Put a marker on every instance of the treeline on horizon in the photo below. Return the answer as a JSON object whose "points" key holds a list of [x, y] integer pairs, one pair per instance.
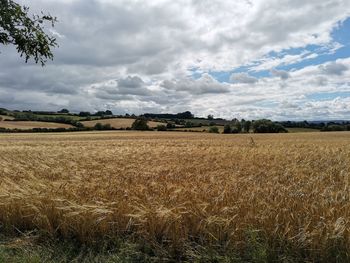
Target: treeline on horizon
{"points": [[184, 120]]}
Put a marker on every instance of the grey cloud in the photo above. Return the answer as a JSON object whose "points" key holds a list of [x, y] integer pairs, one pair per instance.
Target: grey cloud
{"points": [[243, 78], [130, 82], [280, 73], [204, 85], [122, 89], [288, 105], [333, 68]]}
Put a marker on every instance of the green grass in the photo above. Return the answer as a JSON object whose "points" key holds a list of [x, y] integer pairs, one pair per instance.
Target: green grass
{"points": [[258, 248]]}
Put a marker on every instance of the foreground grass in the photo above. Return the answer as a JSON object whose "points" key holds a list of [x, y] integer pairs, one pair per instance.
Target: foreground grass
{"points": [[35, 249], [176, 196]]}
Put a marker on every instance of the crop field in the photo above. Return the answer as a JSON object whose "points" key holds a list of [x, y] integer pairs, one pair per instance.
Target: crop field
{"points": [[118, 123], [273, 197], [5, 117], [26, 125]]}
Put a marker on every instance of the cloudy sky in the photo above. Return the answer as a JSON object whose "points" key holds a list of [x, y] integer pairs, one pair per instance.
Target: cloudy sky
{"points": [[277, 59]]}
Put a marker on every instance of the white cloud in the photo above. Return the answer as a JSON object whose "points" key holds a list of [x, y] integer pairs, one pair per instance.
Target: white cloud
{"points": [[243, 78]]}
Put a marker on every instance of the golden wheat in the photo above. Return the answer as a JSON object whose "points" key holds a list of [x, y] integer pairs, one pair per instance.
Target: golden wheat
{"points": [[179, 187], [119, 123]]}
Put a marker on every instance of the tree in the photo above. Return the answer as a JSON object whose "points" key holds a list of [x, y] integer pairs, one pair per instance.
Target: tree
{"points": [[210, 117], [108, 112], [246, 126], [238, 126], [140, 125], [26, 32], [185, 115], [267, 126], [84, 113], [63, 111]]}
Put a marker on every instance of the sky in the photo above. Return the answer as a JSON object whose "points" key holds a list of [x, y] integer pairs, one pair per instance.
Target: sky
{"points": [[251, 59]]}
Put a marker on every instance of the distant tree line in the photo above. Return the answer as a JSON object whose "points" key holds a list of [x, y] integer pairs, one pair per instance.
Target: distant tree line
{"points": [[336, 127], [29, 116], [182, 115], [322, 126], [256, 126], [98, 113]]}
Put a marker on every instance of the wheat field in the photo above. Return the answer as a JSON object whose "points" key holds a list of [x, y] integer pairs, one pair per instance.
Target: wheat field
{"points": [[174, 189], [119, 123]]}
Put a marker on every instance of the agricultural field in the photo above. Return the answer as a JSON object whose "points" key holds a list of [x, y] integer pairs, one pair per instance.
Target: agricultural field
{"points": [[118, 123], [5, 117], [152, 196], [26, 125]]}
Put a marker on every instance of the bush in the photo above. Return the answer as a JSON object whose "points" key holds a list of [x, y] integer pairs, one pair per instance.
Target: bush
{"points": [[170, 125], [140, 125], [188, 124], [235, 129], [100, 127], [161, 128], [227, 128], [213, 129]]}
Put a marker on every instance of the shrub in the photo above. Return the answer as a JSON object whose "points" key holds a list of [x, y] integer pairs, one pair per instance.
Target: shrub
{"points": [[140, 125], [100, 127], [235, 129], [170, 125], [227, 128], [213, 129], [161, 128], [188, 124]]}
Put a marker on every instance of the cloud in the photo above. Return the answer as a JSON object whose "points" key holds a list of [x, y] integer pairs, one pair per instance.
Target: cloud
{"points": [[121, 89], [130, 82], [243, 78], [280, 73], [333, 68], [137, 56], [206, 84]]}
